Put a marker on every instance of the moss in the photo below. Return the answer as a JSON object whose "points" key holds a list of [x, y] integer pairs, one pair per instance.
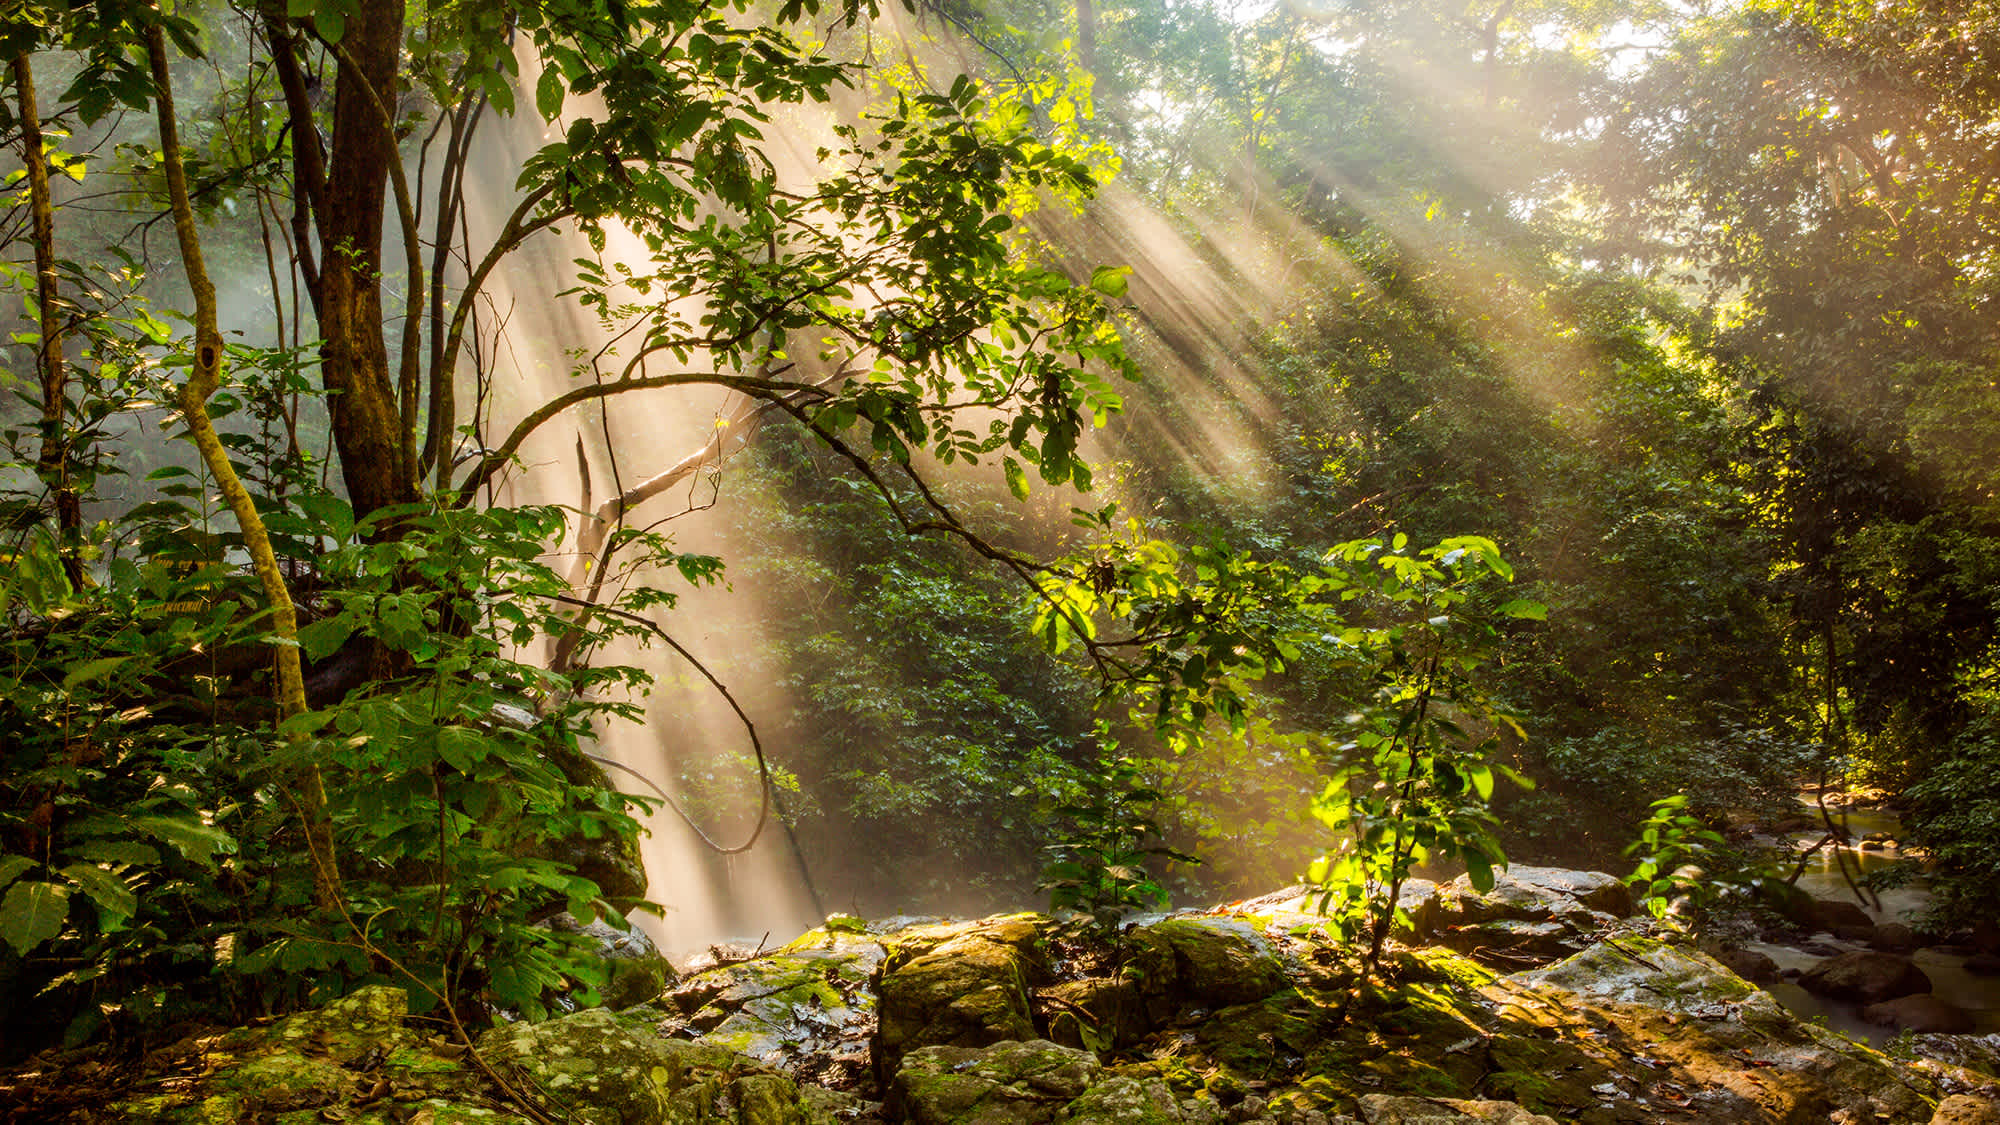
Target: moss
{"points": [[1436, 963], [413, 1061]]}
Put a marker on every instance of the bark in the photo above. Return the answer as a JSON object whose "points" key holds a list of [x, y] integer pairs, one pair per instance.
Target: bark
{"points": [[368, 422], [306, 786], [52, 461]]}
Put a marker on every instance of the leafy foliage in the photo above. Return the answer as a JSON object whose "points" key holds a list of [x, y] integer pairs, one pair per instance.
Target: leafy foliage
{"points": [[1672, 848], [1417, 780], [1099, 867]]}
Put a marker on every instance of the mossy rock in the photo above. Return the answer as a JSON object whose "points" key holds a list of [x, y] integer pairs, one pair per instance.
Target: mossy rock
{"points": [[1385, 1109], [1216, 962], [1097, 1014], [810, 999], [363, 1022], [605, 1070], [634, 971], [969, 991], [1122, 1099], [1014, 1083], [1636, 970]]}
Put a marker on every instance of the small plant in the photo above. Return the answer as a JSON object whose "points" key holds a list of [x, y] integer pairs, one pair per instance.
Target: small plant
{"points": [[1672, 844], [1416, 781], [1100, 870]]}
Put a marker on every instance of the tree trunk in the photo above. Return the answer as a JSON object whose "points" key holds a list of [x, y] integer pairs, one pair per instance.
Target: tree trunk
{"points": [[304, 786], [52, 461], [368, 427]]}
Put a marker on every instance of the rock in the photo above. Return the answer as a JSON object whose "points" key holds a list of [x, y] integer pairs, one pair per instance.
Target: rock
{"points": [[1124, 1100], [1966, 1109], [1384, 1109], [805, 1009], [1217, 962], [604, 1069], [1919, 1013], [1419, 900], [1894, 937], [610, 860], [1654, 974], [1536, 894], [1860, 935], [1831, 914], [1866, 977], [1014, 1083], [633, 968], [1112, 1014], [1795, 905], [306, 1067], [1749, 964], [1983, 964], [1508, 943], [1714, 1049], [365, 1020], [1973, 1052], [600, 1070], [969, 991]]}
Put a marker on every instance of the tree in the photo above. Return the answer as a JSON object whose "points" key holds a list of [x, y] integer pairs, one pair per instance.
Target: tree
{"points": [[886, 307], [1832, 180]]}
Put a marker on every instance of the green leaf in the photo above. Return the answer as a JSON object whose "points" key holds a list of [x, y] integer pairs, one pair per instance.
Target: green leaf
{"points": [[12, 867], [1525, 609], [550, 89], [113, 851], [1112, 281], [92, 670], [193, 839], [322, 638], [1017, 478], [1479, 869], [108, 891], [32, 913], [330, 22]]}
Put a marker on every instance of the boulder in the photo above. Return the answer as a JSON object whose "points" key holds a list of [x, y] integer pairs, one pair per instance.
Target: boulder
{"points": [[1385, 1109], [1121, 1099], [1983, 964], [1967, 1109], [1835, 914], [1096, 1014], [1215, 962], [1749, 964], [1795, 905], [1979, 1053], [1919, 1013], [1536, 894], [1509, 943], [969, 991], [1866, 977], [606, 1070], [805, 1009], [1894, 937], [1653, 974], [634, 971], [1014, 1083]]}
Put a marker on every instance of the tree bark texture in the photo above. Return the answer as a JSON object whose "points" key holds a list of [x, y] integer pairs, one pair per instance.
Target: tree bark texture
{"points": [[52, 460], [368, 422]]}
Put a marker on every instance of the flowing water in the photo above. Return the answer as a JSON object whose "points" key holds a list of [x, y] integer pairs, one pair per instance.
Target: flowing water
{"points": [[1823, 878]]}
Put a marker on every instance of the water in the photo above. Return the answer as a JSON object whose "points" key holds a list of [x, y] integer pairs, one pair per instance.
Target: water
{"points": [[1822, 878]]}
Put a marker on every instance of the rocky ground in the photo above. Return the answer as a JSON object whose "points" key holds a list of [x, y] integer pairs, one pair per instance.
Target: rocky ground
{"points": [[1539, 1002]]}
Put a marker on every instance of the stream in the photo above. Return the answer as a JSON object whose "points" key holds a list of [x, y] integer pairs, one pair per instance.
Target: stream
{"points": [[1945, 966]]}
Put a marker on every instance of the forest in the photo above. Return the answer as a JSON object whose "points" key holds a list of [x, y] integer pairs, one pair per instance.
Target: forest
{"points": [[715, 461]]}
